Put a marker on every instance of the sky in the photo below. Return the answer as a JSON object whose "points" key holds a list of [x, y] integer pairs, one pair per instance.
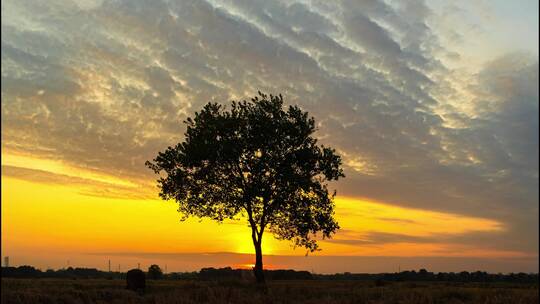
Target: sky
{"points": [[433, 106]]}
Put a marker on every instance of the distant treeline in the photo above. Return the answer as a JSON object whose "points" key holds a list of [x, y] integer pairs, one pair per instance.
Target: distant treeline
{"points": [[227, 273], [70, 272], [426, 276], [240, 274]]}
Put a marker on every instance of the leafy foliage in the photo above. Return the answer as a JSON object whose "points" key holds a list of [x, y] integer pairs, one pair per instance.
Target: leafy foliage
{"points": [[154, 272], [256, 160]]}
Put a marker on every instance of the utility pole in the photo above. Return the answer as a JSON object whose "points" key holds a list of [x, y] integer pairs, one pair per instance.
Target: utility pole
{"points": [[6, 261], [109, 265]]}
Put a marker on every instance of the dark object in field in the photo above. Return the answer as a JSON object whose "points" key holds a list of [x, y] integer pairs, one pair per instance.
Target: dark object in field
{"points": [[136, 280]]}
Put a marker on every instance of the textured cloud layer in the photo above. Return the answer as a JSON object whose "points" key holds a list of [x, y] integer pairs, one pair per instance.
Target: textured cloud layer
{"points": [[104, 86]]}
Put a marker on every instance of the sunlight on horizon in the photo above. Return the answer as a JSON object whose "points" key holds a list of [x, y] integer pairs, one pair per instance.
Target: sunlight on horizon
{"points": [[60, 218]]}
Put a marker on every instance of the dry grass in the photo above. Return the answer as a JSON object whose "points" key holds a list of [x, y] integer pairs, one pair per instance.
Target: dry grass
{"points": [[112, 291]]}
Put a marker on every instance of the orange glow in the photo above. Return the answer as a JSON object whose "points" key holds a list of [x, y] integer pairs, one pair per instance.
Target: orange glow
{"points": [[250, 266], [246, 266], [59, 219]]}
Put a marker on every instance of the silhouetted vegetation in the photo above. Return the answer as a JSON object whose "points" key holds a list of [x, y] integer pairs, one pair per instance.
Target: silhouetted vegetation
{"points": [[74, 273], [253, 160], [228, 273], [154, 272], [136, 280], [426, 276]]}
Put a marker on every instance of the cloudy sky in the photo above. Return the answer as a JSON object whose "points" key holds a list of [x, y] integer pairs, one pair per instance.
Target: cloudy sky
{"points": [[433, 106]]}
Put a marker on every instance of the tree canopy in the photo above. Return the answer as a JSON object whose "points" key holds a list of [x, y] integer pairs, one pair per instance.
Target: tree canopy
{"points": [[258, 161], [154, 272]]}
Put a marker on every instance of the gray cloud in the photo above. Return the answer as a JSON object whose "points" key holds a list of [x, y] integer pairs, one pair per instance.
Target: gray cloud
{"points": [[500, 240], [106, 87]]}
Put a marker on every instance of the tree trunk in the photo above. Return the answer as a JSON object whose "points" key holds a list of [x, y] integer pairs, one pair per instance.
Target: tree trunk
{"points": [[258, 269]]}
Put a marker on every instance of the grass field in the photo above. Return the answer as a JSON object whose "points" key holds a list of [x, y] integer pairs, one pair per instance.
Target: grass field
{"points": [[112, 291]]}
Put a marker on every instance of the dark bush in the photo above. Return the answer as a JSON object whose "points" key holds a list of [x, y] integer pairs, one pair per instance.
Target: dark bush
{"points": [[136, 280]]}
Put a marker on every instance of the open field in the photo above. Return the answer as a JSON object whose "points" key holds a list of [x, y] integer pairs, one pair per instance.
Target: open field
{"points": [[184, 291]]}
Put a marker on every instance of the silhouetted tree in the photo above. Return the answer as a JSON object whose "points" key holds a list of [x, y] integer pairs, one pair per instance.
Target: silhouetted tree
{"points": [[154, 272], [256, 160], [228, 273]]}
